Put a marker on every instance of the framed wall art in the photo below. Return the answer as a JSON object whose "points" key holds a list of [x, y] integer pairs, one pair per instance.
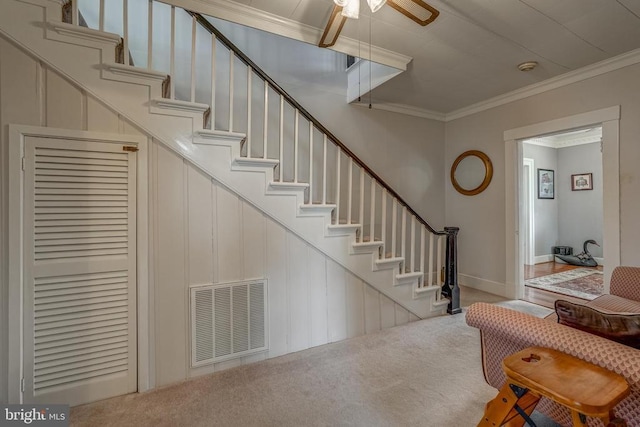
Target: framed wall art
{"points": [[546, 184], [582, 181]]}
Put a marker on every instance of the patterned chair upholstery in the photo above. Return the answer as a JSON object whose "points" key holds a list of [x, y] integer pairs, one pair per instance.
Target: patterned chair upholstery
{"points": [[504, 332], [624, 296]]}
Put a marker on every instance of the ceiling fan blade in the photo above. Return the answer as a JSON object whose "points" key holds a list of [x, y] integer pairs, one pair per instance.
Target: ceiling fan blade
{"points": [[333, 28], [417, 10]]}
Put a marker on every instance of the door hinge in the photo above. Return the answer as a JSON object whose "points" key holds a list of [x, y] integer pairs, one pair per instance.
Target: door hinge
{"points": [[130, 148], [23, 163], [22, 385]]}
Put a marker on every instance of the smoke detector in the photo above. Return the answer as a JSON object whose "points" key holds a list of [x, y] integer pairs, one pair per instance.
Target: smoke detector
{"points": [[527, 66]]}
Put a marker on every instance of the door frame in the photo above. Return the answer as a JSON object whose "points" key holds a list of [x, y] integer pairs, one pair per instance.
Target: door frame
{"points": [[609, 119], [528, 190], [17, 134]]}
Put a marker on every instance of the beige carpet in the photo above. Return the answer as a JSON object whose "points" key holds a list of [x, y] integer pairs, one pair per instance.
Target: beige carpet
{"points": [[426, 373]]}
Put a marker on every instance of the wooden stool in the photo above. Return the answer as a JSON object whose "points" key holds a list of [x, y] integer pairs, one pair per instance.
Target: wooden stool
{"points": [[584, 388]]}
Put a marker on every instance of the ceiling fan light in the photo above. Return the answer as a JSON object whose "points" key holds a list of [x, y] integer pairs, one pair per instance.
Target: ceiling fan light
{"points": [[341, 3], [375, 5], [351, 9]]}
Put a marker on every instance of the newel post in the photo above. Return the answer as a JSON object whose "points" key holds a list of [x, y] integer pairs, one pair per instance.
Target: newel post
{"points": [[450, 288]]}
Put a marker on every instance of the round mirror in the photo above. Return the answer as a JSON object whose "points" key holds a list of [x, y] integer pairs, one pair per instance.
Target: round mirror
{"points": [[471, 173]]}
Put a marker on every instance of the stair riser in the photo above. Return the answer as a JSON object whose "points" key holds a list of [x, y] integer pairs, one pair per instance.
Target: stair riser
{"points": [[81, 61], [321, 211]]}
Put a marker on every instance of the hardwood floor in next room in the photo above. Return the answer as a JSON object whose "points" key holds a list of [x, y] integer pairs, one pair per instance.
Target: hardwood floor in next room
{"points": [[542, 297]]}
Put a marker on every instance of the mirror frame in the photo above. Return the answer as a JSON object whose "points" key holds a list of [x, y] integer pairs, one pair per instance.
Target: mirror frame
{"points": [[488, 173]]}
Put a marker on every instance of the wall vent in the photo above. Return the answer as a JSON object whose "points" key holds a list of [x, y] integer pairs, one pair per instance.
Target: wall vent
{"points": [[228, 321]]}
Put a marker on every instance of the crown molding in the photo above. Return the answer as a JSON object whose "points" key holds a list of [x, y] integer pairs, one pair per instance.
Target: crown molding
{"points": [[403, 109], [584, 73], [380, 55], [252, 17], [256, 18]]}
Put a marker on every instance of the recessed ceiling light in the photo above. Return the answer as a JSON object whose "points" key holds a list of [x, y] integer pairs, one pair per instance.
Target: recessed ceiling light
{"points": [[527, 66]]}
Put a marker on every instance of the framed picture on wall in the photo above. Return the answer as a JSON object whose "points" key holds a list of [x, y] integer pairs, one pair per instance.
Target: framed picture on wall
{"points": [[545, 184], [582, 181]]}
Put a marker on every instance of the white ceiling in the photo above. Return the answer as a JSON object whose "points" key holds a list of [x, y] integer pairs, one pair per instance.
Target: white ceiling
{"points": [[471, 51], [568, 139]]}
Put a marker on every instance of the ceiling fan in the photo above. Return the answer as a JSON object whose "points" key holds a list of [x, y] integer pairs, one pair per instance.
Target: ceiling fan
{"points": [[417, 10]]}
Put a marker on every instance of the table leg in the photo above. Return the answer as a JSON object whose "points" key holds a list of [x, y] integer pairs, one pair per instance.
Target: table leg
{"points": [[501, 410], [527, 403], [498, 409], [578, 419]]}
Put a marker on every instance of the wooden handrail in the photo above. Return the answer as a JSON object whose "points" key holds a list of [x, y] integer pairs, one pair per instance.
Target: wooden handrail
{"points": [[224, 40]]}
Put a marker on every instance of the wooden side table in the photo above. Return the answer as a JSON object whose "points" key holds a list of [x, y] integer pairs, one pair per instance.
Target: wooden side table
{"points": [[535, 372]]}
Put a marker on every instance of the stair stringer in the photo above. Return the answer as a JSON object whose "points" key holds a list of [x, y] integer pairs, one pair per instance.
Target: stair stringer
{"points": [[86, 56], [314, 229], [285, 209]]}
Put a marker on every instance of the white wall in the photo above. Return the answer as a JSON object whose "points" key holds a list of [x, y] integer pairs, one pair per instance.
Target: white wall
{"points": [[572, 216], [482, 218], [580, 213], [203, 233], [407, 152], [31, 94], [200, 233]]}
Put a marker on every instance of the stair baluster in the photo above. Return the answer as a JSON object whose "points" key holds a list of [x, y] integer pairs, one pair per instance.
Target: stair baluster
{"points": [[403, 239], [172, 59], [296, 142], [350, 191], [422, 255], [394, 226], [281, 140], [338, 174], [249, 98], [361, 205], [101, 18], [372, 212], [426, 269], [412, 248], [311, 128], [232, 58], [125, 31], [383, 222], [149, 30], [212, 103], [324, 169]]}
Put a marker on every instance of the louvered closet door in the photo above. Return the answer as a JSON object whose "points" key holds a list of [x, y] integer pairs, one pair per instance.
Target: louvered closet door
{"points": [[80, 269]]}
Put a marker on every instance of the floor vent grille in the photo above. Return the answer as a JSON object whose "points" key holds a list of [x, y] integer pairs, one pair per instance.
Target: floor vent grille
{"points": [[228, 321]]}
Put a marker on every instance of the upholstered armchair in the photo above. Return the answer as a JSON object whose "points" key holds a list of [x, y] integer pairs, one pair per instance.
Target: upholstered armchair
{"points": [[504, 332]]}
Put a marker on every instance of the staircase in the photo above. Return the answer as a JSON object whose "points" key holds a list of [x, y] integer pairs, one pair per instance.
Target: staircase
{"points": [[184, 84]]}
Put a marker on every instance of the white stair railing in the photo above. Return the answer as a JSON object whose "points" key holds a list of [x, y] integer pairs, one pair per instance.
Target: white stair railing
{"points": [[221, 76]]}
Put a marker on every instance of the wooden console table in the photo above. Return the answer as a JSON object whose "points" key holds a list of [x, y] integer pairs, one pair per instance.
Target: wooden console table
{"points": [[535, 372]]}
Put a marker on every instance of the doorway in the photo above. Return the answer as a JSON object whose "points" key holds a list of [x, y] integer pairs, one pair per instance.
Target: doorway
{"points": [[569, 216], [608, 119]]}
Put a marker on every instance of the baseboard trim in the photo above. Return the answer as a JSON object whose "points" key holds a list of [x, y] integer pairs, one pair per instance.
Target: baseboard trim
{"points": [[540, 260], [543, 258], [483, 285]]}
